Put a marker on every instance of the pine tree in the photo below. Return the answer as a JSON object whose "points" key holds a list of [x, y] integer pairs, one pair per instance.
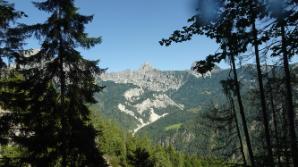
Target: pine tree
{"points": [[218, 24], [274, 113], [229, 90], [284, 15], [241, 108], [250, 12]]}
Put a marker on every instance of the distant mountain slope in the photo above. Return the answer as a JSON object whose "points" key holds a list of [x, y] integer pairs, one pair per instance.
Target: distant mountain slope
{"points": [[139, 98], [167, 105]]}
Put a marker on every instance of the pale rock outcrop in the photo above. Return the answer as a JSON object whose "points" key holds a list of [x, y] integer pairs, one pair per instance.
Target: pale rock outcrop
{"points": [[122, 108], [158, 101], [152, 118], [133, 94], [146, 78]]}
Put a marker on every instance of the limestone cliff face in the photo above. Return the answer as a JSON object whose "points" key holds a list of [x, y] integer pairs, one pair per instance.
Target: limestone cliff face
{"points": [[144, 108], [146, 77], [147, 94], [141, 105]]}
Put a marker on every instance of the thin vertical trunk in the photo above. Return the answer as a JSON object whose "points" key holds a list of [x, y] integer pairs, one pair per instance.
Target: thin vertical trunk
{"points": [[63, 119], [270, 160], [274, 117], [241, 108], [238, 129], [64, 122], [285, 136], [290, 106]]}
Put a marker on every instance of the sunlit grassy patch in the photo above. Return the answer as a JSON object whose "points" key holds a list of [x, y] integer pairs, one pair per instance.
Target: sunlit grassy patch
{"points": [[173, 127]]}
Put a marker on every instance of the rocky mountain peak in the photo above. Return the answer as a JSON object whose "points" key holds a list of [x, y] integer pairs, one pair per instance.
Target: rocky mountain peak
{"points": [[147, 77], [146, 67]]}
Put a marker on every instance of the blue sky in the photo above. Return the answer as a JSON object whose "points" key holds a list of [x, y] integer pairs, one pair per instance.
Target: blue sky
{"points": [[131, 29]]}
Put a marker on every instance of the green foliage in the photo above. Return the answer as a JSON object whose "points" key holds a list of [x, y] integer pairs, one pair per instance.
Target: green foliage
{"points": [[173, 127], [10, 155], [191, 95], [108, 101], [48, 92], [123, 149], [10, 151]]}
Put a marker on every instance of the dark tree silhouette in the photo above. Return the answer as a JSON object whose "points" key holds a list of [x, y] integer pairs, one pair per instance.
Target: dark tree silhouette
{"points": [[10, 44], [285, 16], [220, 26], [250, 11], [141, 158], [241, 108], [50, 103], [229, 90], [10, 37], [271, 80]]}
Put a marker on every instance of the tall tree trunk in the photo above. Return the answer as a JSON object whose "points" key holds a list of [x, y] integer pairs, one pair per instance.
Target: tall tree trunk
{"points": [[62, 110], [238, 129], [64, 120], [290, 106], [241, 109], [274, 118], [270, 160], [285, 135]]}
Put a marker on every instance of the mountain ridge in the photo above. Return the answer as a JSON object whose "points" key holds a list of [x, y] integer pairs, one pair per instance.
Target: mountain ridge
{"points": [[150, 94], [139, 98]]}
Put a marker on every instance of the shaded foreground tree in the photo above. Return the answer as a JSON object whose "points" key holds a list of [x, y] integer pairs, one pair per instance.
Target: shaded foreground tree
{"points": [[229, 90], [10, 38], [241, 109], [234, 26], [285, 16], [218, 23], [10, 44], [220, 120], [48, 105], [256, 10]]}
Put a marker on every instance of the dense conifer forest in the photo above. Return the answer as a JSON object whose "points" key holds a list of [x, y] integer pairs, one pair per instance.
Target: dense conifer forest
{"points": [[53, 99]]}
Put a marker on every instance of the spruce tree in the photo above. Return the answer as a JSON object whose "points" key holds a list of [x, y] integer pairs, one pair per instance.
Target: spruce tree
{"points": [[50, 105], [10, 37], [10, 45]]}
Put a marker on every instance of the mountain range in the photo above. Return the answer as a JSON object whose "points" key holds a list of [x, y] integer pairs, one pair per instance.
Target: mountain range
{"points": [[136, 99], [167, 106]]}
